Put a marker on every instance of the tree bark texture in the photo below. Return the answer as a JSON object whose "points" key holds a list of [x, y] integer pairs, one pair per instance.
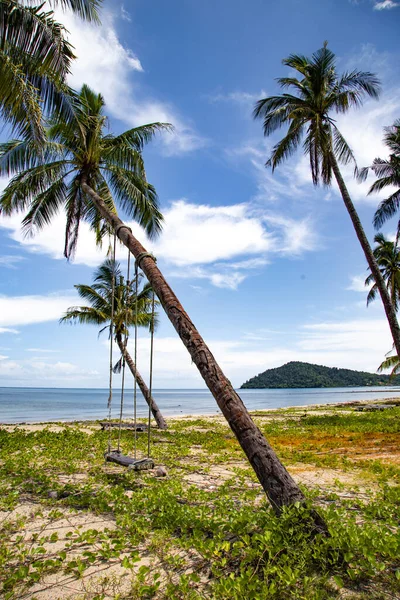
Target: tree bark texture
{"points": [[277, 483], [161, 423], [369, 255]]}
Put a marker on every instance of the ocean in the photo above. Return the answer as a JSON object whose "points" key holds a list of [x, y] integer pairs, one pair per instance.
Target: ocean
{"points": [[70, 404]]}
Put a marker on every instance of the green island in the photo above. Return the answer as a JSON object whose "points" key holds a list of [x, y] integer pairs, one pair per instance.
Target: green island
{"points": [[298, 374], [73, 526]]}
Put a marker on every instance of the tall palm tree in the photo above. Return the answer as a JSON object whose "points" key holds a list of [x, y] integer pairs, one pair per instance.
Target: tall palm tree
{"points": [[98, 166], [126, 312], [35, 58], [319, 92], [388, 173], [387, 255]]}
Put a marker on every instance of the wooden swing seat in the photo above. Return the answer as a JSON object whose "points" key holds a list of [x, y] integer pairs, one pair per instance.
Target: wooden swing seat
{"points": [[109, 425], [134, 464]]}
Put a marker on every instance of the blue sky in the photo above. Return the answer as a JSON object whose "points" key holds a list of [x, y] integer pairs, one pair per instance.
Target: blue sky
{"points": [[267, 266]]}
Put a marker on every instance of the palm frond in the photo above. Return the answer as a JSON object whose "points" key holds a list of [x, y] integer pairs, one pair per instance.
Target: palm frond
{"points": [[86, 9], [387, 209], [137, 137], [342, 150], [84, 315], [23, 188], [287, 146], [137, 198]]}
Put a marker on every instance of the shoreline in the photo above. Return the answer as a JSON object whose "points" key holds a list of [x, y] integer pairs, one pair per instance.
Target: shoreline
{"points": [[395, 400]]}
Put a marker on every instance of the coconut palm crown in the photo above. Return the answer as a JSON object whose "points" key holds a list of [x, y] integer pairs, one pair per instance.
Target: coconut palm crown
{"points": [[307, 111], [79, 151], [387, 256], [127, 310], [35, 58], [388, 173]]}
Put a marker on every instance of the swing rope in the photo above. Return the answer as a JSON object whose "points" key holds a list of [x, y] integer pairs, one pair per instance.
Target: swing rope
{"points": [[151, 371], [125, 342], [135, 359], [110, 390]]}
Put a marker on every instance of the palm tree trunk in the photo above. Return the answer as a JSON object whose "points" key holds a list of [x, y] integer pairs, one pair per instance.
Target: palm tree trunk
{"points": [[161, 423], [369, 255], [277, 483]]}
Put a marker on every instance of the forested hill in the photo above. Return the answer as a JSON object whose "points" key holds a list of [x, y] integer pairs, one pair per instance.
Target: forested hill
{"points": [[306, 375]]}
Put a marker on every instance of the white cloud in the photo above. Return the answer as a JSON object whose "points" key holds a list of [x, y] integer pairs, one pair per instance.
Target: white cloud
{"points": [[385, 5], [202, 234], [24, 310], [8, 330], [221, 276], [194, 236], [358, 284], [50, 240], [359, 344], [9, 261], [298, 235], [39, 372], [108, 67]]}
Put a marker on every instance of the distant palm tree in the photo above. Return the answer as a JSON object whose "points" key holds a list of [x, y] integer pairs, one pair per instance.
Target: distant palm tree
{"points": [[388, 173], [35, 58], [100, 310], [390, 362], [387, 255], [317, 93], [82, 170]]}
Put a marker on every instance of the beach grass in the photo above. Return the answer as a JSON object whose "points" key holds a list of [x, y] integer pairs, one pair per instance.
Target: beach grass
{"points": [[74, 527]]}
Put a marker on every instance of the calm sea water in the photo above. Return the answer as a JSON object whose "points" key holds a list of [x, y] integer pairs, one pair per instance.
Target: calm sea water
{"points": [[68, 404]]}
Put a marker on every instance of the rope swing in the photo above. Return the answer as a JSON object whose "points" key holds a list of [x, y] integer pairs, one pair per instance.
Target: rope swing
{"points": [[116, 455]]}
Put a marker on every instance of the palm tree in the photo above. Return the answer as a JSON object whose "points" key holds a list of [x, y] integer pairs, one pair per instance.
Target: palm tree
{"points": [[388, 172], [77, 169], [79, 151], [318, 92], [387, 255], [35, 58], [123, 315]]}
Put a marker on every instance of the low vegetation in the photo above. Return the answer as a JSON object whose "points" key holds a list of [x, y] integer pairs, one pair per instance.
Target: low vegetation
{"points": [[297, 374], [74, 527]]}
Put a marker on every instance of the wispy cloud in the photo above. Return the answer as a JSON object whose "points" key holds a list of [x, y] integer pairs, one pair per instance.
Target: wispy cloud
{"points": [[386, 5], [237, 97], [42, 351], [358, 284], [125, 15], [10, 261], [25, 310], [8, 330]]}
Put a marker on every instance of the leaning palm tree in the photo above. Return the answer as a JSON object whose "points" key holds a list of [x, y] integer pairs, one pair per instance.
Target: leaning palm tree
{"points": [[80, 169], [126, 311], [319, 92], [35, 58], [387, 255], [388, 173]]}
